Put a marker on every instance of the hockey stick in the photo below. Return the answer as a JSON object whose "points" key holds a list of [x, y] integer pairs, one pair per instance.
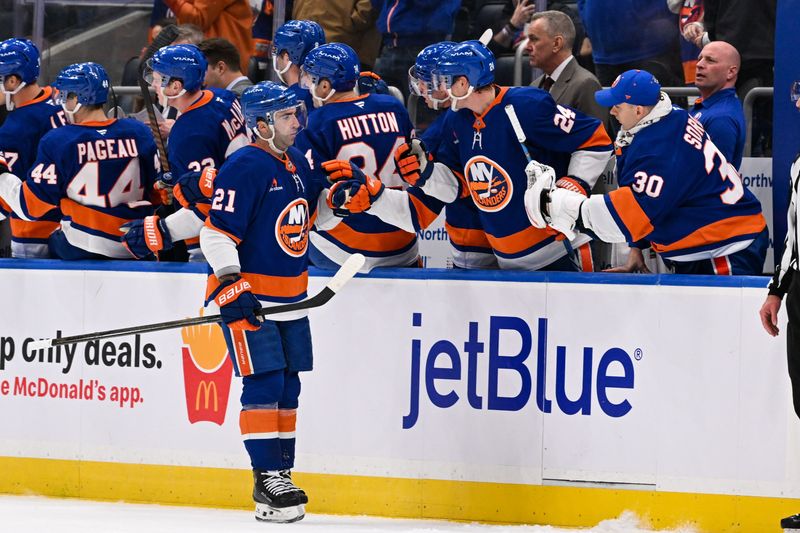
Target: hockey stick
{"points": [[342, 276], [512, 117], [166, 36]]}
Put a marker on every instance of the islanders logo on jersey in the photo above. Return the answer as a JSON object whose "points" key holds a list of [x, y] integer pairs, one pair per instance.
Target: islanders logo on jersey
{"points": [[489, 183], [291, 228]]}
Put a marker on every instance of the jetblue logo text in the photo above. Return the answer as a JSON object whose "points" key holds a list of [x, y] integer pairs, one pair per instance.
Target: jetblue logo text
{"points": [[446, 366]]}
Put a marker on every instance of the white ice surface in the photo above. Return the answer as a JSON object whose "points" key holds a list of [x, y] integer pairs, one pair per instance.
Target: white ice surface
{"points": [[23, 514]]}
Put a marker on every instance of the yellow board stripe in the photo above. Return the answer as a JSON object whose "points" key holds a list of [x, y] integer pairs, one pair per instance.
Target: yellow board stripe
{"points": [[397, 497]]}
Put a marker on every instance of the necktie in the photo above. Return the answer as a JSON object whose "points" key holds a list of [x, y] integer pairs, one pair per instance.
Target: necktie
{"points": [[547, 83]]}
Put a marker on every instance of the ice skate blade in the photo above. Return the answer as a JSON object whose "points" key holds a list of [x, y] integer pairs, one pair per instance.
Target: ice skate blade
{"points": [[284, 515]]}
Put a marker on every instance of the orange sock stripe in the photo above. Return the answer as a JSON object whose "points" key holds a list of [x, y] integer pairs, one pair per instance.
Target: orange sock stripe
{"points": [[259, 423], [287, 420]]}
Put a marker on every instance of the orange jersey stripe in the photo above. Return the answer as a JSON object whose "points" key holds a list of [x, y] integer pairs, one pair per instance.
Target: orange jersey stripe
{"points": [[519, 241], [36, 208], [37, 229], [47, 92], [467, 237], [371, 242], [90, 218], [287, 420], [209, 225], [203, 100], [717, 232], [279, 286], [599, 138], [633, 216], [424, 215], [258, 421], [192, 241]]}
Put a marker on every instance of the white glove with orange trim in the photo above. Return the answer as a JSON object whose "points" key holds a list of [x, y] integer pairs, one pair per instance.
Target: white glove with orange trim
{"points": [[547, 204]]}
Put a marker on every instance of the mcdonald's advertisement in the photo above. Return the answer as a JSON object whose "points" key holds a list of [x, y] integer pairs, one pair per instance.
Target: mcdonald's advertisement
{"points": [[507, 378]]}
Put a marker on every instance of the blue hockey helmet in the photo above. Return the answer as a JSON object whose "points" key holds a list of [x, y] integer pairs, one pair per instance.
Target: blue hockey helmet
{"points": [[336, 62], [421, 72], [297, 38], [262, 101], [87, 81], [19, 57], [183, 62], [471, 59]]}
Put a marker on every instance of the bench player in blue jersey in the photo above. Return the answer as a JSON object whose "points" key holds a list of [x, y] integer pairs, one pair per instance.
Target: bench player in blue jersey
{"points": [[32, 114], [469, 246], [256, 241], [292, 43], [365, 130], [677, 191], [100, 173], [209, 129], [493, 162]]}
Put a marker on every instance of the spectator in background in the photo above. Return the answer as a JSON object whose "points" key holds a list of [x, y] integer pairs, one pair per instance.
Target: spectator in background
{"points": [[719, 109], [517, 13], [633, 34], [189, 34], [351, 22], [551, 35], [690, 22], [231, 19], [223, 66], [160, 16], [407, 27]]}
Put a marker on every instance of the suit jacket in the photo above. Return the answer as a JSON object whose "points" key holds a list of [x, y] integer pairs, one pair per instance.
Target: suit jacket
{"points": [[240, 86], [575, 88]]}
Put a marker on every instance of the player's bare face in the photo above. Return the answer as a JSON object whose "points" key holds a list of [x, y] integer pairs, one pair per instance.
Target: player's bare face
{"points": [[460, 87], [439, 94], [10, 83], [286, 128], [627, 115], [173, 88]]}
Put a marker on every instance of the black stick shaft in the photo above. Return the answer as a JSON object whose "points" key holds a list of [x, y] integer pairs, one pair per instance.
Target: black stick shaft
{"points": [[317, 300]]}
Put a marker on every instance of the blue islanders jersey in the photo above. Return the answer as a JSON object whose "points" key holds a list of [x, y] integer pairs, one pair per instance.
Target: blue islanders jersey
{"points": [[678, 191], [19, 139], [100, 175], [492, 163], [468, 243], [366, 130], [266, 206], [204, 135]]}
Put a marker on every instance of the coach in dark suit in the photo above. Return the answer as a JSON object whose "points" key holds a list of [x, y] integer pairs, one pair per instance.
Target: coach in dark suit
{"points": [[550, 38]]}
